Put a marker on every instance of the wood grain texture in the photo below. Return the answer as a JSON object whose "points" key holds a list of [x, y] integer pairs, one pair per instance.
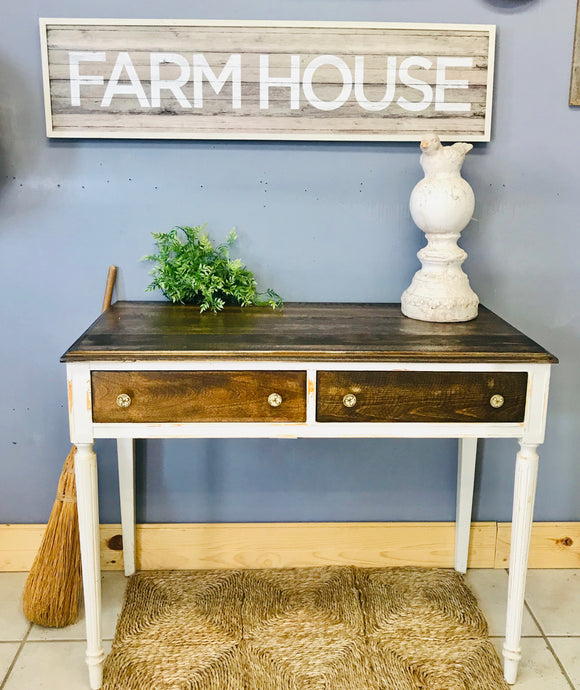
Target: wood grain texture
{"points": [[188, 546], [239, 112], [199, 396], [553, 545], [301, 331], [419, 396], [289, 545]]}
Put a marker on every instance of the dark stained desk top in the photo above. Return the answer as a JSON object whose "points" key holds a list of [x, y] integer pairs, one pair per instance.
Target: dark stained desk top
{"points": [[300, 331]]}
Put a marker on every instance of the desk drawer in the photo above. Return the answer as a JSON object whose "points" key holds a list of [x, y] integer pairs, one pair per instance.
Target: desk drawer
{"points": [[199, 396], [420, 396]]}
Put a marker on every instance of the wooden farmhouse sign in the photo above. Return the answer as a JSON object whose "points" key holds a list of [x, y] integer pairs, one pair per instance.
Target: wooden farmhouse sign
{"points": [[180, 79]]}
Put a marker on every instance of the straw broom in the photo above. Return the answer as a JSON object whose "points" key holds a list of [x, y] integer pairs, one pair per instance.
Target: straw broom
{"points": [[53, 587]]}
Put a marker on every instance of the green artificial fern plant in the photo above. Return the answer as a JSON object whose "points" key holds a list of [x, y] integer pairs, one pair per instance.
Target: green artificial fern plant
{"points": [[190, 270]]}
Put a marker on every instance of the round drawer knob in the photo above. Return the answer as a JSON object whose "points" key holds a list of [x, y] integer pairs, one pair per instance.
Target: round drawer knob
{"points": [[349, 400], [123, 400], [496, 400], [274, 400]]}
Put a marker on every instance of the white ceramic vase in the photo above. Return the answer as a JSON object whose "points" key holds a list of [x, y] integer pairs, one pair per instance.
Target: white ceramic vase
{"points": [[441, 204]]}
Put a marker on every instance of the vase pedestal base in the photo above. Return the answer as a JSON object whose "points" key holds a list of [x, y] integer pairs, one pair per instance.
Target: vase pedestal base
{"points": [[432, 304], [440, 290]]}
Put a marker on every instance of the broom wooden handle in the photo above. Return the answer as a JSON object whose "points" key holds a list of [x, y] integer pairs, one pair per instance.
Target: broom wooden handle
{"points": [[112, 274]]}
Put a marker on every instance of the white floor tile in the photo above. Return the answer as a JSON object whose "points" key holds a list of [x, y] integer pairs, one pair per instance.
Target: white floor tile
{"points": [[51, 666], [13, 625], [112, 590], [568, 651], [554, 598], [538, 668], [7, 653], [490, 589]]}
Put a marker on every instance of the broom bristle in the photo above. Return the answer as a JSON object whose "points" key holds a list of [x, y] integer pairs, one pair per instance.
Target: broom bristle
{"points": [[52, 590]]}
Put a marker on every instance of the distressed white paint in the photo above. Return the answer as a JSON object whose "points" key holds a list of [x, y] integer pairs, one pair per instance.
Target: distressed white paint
{"points": [[306, 430], [312, 429], [537, 406], [529, 432], [311, 396], [442, 204], [88, 512], [523, 509], [79, 402]]}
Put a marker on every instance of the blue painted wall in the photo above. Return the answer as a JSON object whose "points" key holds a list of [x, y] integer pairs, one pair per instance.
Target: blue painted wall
{"points": [[316, 222]]}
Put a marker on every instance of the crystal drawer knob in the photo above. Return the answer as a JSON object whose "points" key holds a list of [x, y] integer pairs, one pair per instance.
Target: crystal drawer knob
{"points": [[123, 400], [274, 400], [496, 400], [349, 400]]}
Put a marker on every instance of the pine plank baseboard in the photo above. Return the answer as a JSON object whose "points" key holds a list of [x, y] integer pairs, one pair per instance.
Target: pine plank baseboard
{"points": [[553, 545], [263, 545]]}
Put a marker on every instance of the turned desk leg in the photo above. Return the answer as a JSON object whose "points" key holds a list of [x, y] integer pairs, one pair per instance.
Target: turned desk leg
{"points": [[465, 481], [88, 508], [126, 466], [524, 494]]}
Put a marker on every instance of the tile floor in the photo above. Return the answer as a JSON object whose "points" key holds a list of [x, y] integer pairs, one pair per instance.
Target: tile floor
{"points": [[34, 658]]}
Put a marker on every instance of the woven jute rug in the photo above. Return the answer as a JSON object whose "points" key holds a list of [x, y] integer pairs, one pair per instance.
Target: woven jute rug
{"points": [[328, 628]]}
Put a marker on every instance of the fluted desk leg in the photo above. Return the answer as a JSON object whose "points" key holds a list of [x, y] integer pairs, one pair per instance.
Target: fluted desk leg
{"points": [[88, 506], [523, 509]]}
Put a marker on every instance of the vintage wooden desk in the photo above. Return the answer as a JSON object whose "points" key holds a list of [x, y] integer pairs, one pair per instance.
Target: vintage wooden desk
{"points": [[155, 370]]}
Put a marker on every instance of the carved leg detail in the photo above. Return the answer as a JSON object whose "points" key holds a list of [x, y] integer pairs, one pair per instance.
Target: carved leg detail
{"points": [[523, 509], [126, 465], [88, 507], [465, 481]]}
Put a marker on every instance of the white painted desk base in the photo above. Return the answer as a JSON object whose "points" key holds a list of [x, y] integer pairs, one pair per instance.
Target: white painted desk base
{"points": [[465, 481], [530, 434]]}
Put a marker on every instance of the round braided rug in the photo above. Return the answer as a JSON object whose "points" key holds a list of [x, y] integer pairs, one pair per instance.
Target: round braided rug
{"points": [[330, 628]]}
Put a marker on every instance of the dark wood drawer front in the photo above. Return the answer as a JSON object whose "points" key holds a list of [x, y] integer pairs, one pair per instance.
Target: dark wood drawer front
{"points": [[420, 396], [199, 396]]}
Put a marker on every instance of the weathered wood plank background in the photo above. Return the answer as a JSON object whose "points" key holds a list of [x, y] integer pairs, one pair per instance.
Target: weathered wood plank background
{"points": [[202, 80]]}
